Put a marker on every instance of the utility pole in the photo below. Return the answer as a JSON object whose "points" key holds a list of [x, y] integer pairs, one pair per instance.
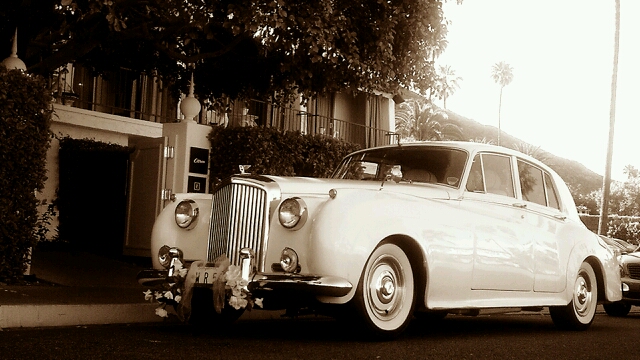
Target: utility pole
{"points": [[606, 185]]}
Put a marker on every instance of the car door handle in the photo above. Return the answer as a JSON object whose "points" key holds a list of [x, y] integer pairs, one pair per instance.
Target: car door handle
{"points": [[520, 205], [560, 217]]}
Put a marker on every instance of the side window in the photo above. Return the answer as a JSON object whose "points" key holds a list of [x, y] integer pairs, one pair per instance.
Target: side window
{"points": [[531, 183], [498, 177], [552, 195], [476, 182]]}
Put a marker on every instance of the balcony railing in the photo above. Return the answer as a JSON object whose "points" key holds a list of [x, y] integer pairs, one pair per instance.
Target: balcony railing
{"points": [[259, 113]]}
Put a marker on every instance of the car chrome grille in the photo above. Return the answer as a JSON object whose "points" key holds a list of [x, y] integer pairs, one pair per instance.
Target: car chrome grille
{"points": [[238, 220], [634, 271]]}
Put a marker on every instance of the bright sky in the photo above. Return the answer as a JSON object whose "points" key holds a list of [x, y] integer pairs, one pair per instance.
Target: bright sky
{"points": [[561, 52]]}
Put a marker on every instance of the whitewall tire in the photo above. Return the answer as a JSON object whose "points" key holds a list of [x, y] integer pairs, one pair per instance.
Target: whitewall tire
{"points": [[580, 312], [385, 296]]}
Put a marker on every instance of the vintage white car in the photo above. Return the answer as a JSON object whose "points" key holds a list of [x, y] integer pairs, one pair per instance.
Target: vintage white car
{"points": [[399, 231]]}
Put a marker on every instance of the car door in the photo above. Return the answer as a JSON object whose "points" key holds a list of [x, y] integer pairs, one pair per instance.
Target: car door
{"points": [[503, 252], [544, 221]]}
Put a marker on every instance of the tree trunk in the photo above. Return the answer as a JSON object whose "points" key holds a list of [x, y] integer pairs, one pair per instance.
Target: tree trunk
{"points": [[604, 213], [499, 112]]}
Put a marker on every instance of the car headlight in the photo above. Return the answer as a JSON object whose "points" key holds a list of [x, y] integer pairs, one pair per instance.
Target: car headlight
{"points": [[187, 214], [292, 213]]}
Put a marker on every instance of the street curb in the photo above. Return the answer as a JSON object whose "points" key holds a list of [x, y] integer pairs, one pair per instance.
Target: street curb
{"points": [[29, 316], [16, 316]]}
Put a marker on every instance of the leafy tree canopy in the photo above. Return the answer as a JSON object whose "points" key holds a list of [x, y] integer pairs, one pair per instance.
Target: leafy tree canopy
{"points": [[238, 47]]}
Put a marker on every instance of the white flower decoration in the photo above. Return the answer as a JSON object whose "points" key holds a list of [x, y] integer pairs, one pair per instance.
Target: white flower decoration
{"points": [[162, 312], [237, 303], [258, 302]]}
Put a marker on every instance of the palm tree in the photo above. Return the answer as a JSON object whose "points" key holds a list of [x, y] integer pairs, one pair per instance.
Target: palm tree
{"points": [[502, 74], [421, 120], [482, 140], [534, 151], [606, 183], [447, 83]]}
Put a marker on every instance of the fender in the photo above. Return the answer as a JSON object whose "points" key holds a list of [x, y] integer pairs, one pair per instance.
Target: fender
{"points": [[347, 229], [192, 242], [584, 250]]}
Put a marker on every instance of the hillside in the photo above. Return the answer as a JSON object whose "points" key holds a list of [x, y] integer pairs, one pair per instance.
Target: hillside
{"points": [[579, 178]]}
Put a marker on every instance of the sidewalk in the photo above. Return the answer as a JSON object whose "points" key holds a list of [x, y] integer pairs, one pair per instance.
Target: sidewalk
{"points": [[75, 289], [69, 289]]}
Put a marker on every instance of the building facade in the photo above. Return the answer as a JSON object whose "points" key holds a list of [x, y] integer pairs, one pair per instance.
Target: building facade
{"points": [[138, 111]]}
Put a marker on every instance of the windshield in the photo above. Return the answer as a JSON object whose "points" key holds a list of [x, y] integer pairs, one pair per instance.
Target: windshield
{"points": [[417, 164]]}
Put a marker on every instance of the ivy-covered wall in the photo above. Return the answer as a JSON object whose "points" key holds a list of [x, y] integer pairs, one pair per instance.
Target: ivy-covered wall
{"points": [[25, 116], [274, 152]]}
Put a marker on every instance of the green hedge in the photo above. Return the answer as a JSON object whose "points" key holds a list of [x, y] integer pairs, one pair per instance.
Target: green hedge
{"points": [[624, 227], [273, 152], [591, 221], [620, 227], [25, 117]]}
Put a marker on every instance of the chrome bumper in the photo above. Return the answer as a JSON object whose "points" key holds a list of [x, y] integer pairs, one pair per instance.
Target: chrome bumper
{"points": [[310, 284], [277, 282], [152, 278]]}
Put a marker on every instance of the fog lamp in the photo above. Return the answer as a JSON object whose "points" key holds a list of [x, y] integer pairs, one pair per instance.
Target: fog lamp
{"points": [[166, 254], [289, 260]]}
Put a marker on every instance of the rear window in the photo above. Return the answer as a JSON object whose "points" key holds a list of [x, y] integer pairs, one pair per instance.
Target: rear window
{"points": [[537, 185]]}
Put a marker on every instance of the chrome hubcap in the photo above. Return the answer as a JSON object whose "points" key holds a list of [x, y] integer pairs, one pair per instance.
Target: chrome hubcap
{"points": [[386, 287], [582, 296]]}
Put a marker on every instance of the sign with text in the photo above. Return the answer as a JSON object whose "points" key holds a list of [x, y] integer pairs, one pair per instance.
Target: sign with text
{"points": [[196, 184], [198, 160]]}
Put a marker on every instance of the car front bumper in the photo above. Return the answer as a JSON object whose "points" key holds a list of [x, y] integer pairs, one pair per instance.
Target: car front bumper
{"points": [[317, 285], [631, 291]]}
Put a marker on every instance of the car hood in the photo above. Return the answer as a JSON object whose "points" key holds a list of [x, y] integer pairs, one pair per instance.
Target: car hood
{"points": [[620, 245], [633, 257], [296, 186]]}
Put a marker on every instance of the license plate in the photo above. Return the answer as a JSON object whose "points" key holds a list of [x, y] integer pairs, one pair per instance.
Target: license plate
{"points": [[204, 275]]}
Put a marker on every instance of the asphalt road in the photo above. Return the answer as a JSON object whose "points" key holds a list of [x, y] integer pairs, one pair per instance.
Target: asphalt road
{"points": [[455, 337]]}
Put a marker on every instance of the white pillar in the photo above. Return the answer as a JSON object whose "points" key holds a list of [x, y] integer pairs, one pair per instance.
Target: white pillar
{"points": [[188, 171]]}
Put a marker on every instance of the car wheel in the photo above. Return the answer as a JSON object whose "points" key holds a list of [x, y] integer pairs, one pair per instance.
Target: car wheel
{"points": [[580, 312], [617, 308], [385, 296], [203, 313]]}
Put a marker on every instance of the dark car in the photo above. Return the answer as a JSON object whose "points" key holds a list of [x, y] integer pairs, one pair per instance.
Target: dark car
{"points": [[630, 274]]}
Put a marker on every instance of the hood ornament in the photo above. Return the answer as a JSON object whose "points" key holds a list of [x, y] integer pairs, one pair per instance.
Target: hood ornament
{"points": [[244, 169]]}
